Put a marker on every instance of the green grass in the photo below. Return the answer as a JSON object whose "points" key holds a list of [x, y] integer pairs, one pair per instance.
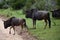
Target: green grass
{"points": [[39, 32]]}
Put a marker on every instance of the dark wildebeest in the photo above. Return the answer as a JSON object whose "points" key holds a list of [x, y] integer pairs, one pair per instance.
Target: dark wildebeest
{"points": [[38, 15], [13, 21], [56, 14]]}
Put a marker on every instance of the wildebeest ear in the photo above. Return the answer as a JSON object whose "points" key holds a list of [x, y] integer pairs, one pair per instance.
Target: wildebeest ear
{"points": [[34, 9], [28, 11]]}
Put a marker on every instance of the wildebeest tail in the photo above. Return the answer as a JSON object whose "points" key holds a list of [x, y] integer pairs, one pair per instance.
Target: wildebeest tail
{"points": [[25, 23], [49, 20]]}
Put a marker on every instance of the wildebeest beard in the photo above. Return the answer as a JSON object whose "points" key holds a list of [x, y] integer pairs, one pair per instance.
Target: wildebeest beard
{"points": [[7, 24]]}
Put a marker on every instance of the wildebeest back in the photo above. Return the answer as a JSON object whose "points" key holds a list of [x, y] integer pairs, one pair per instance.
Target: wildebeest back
{"points": [[40, 15], [15, 21]]}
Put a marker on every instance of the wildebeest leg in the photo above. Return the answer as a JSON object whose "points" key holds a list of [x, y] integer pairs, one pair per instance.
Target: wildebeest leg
{"points": [[49, 23], [54, 22], [49, 20], [14, 30], [25, 25], [34, 24], [45, 24], [21, 29], [10, 30]]}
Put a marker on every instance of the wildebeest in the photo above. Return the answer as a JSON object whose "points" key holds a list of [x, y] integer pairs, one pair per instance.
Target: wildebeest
{"points": [[13, 21], [35, 14], [56, 14]]}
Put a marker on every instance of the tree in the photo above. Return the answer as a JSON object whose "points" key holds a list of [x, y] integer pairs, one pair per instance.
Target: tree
{"points": [[58, 3], [1, 3], [16, 4]]}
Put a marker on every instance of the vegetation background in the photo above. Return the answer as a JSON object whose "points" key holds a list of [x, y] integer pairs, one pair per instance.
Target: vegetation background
{"points": [[17, 8]]}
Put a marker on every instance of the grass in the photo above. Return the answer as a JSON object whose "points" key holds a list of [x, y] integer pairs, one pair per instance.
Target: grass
{"points": [[39, 32]]}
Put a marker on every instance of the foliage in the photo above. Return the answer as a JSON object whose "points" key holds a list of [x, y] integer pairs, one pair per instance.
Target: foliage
{"points": [[1, 3], [17, 4], [45, 4], [58, 3], [40, 4], [27, 4]]}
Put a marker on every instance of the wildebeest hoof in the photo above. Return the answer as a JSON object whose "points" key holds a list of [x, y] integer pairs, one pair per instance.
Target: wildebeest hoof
{"points": [[14, 34], [20, 33], [9, 32]]}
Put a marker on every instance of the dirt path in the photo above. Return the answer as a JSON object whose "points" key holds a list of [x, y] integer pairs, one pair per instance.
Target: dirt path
{"points": [[4, 35]]}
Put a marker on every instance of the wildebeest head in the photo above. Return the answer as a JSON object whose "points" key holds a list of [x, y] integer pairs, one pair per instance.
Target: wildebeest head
{"points": [[7, 23], [34, 10], [28, 14]]}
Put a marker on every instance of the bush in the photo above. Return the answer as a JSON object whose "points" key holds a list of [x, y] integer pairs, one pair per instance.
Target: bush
{"points": [[1, 3], [17, 4]]}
